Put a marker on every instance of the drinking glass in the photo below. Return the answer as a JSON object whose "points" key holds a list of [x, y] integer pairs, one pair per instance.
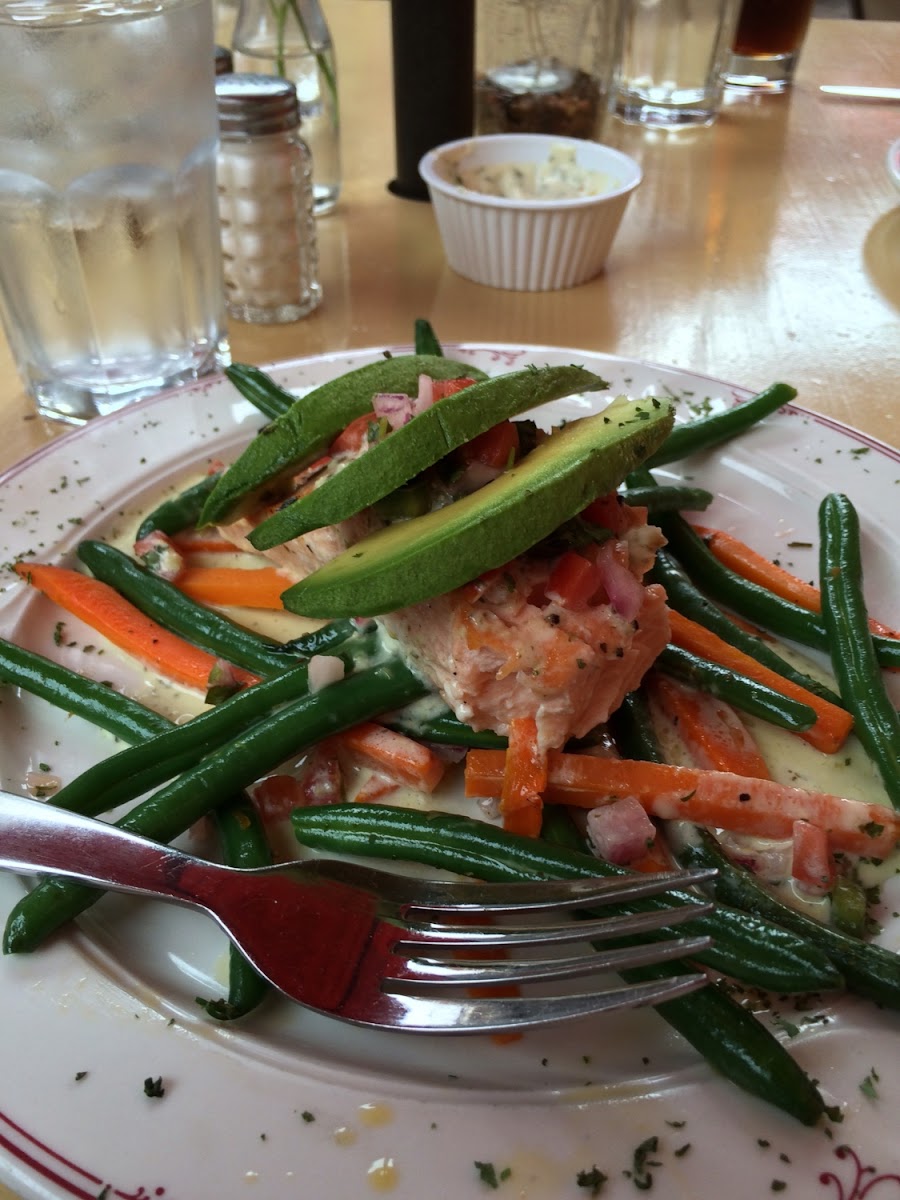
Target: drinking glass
{"points": [[110, 263], [669, 57], [767, 43]]}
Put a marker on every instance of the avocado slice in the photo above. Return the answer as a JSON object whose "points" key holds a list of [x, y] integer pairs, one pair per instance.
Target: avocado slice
{"points": [[423, 441], [313, 421], [429, 555]]}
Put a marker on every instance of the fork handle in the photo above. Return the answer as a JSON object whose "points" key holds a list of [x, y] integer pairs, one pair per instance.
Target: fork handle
{"points": [[35, 836]]}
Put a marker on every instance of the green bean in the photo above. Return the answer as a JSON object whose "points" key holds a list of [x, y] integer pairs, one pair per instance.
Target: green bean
{"points": [[134, 771], [95, 702], [250, 755], [661, 498], [851, 646], [195, 622], [761, 954], [179, 512], [426, 341], [632, 729], [244, 844], [868, 970], [321, 640], [706, 432], [756, 603], [559, 829], [685, 598], [445, 730], [740, 691], [729, 1037], [260, 389]]}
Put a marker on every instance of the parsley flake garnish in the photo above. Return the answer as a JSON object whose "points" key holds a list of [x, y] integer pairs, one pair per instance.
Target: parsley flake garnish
{"points": [[869, 1087], [489, 1175], [593, 1179], [640, 1174], [154, 1087]]}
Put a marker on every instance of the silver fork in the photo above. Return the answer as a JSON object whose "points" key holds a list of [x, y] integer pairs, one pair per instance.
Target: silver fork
{"points": [[381, 949]]}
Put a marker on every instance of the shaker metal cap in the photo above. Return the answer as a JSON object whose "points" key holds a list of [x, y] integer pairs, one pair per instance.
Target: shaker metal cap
{"points": [[251, 105]]}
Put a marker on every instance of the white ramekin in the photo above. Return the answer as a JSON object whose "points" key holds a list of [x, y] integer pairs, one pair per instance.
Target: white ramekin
{"points": [[528, 245]]}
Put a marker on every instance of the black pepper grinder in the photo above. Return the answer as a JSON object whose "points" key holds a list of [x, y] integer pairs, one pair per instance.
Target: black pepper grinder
{"points": [[434, 68]]}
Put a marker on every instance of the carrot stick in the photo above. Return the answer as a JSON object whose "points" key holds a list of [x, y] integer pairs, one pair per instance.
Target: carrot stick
{"points": [[104, 610], [524, 779], [833, 724], [393, 754], [746, 562], [256, 587], [743, 805], [714, 734], [194, 542], [656, 857]]}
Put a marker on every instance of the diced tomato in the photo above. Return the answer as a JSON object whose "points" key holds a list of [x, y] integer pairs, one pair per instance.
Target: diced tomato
{"points": [[449, 387], [612, 513], [319, 782], [354, 436], [812, 865], [574, 581], [497, 447], [276, 795]]}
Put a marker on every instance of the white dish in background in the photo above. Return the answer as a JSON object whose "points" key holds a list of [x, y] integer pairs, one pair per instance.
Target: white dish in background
{"points": [[893, 162], [526, 244], [287, 1098]]}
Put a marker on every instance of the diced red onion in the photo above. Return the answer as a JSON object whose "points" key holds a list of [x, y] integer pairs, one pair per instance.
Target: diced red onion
{"points": [[394, 407], [626, 594], [425, 398]]}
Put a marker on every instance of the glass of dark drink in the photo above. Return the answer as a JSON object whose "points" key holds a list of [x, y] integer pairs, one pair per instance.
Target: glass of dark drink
{"points": [[767, 43]]}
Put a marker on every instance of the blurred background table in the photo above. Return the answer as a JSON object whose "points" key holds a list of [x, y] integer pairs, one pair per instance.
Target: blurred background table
{"points": [[766, 246]]}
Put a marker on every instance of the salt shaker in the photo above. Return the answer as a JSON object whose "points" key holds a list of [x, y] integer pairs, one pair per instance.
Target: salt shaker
{"points": [[264, 174]]}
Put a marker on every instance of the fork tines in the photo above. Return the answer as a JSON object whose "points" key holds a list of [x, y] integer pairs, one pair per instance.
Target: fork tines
{"points": [[550, 893]]}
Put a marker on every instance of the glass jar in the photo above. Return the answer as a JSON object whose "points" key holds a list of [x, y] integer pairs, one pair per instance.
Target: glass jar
{"points": [[543, 66], [269, 248], [290, 38]]}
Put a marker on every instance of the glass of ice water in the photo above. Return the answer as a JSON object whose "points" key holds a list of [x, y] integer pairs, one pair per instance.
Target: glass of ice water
{"points": [[669, 59], [110, 260]]}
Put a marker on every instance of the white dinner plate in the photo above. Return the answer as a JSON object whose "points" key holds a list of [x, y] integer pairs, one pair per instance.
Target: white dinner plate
{"points": [[288, 1104]]}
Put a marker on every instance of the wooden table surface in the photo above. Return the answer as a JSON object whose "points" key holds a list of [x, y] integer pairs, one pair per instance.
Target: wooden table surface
{"points": [[765, 247]]}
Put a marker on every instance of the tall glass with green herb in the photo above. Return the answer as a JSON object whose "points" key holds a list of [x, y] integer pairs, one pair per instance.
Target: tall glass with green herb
{"points": [[291, 38]]}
